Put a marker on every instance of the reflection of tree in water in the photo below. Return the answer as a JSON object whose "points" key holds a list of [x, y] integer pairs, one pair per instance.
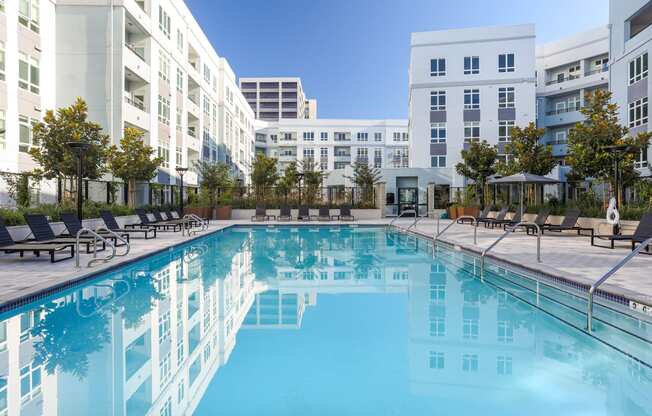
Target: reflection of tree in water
{"points": [[65, 339], [365, 256], [264, 253], [215, 267], [136, 300]]}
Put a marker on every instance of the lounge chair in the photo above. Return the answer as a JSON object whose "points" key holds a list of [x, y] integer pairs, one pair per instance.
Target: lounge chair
{"points": [[345, 214], [304, 213], [482, 216], [497, 219], [285, 214], [643, 232], [8, 245], [158, 216], [145, 222], [569, 223], [112, 224], [261, 214], [541, 219], [516, 218], [324, 214], [73, 225], [43, 233]]}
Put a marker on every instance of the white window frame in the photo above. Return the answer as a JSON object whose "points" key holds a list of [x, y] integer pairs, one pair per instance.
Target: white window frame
{"points": [[473, 66], [27, 123], [506, 97], [470, 128], [642, 159], [438, 67], [179, 40], [179, 80], [164, 22], [164, 66], [378, 137], [323, 135], [29, 14], [638, 112], [440, 100], [362, 136], [309, 136], [437, 161], [638, 68], [437, 132], [164, 110], [32, 82], [471, 93], [506, 136], [507, 67], [560, 137]]}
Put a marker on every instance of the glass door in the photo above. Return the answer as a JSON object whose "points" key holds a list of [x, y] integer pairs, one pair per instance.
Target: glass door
{"points": [[408, 199]]}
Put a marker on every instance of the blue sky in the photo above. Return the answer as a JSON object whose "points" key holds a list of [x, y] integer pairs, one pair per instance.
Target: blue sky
{"points": [[353, 55]]}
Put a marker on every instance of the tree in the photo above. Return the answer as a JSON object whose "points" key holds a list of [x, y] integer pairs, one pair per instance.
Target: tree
{"points": [[587, 141], [215, 179], [478, 163], [264, 174], [133, 161], [312, 179], [365, 178], [525, 153], [289, 180], [69, 124]]}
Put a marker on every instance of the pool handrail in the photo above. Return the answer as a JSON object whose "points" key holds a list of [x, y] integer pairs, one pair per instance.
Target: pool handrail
{"points": [[465, 217], [96, 237], [407, 211], [601, 280], [414, 223], [105, 230], [508, 231]]}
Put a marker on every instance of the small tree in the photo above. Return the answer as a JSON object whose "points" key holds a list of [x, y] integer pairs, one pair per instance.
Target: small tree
{"points": [[478, 163], [312, 179], [587, 141], [52, 153], [288, 181], [215, 180], [365, 178], [525, 153], [133, 161], [264, 174]]}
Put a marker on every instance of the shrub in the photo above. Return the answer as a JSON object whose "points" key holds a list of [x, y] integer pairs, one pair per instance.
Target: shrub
{"points": [[53, 211]]}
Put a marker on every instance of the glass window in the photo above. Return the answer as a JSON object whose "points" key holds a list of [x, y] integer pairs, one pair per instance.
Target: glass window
{"points": [[471, 65], [438, 133], [180, 80], [506, 97], [323, 135], [25, 137], [378, 137], [505, 130], [471, 131], [471, 99], [437, 161], [506, 62], [437, 67], [638, 112], [362, 137], [164, 110], [164, 22], [28, 73], [163, 66], [179, 40], [309, 135], [437, 100], [638, 68], [641, 159], [29, 14], [436, 360]]}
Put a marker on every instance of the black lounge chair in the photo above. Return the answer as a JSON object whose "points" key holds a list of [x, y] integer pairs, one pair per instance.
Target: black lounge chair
{"points": [[541, 219], [73, 225], [345, 214], [482, 216], [304, 213], [8, 245], [499, 217], [112, 224], [43, 233], [569, 223], [261, 214], [285, 214], [158, 216], [324, 214], [643, 232], [145, 222], [516, 218]]}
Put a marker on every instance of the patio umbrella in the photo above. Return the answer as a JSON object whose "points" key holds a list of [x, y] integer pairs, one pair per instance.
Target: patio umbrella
{"points": [[523, 179]]}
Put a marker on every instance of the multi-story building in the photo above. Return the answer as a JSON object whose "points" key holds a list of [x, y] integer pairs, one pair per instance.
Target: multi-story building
{"points": [[274, 98], [468, 85], [630, 44], [566, 71]]}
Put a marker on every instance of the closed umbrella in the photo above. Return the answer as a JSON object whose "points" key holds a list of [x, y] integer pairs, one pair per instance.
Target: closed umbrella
{"points": [[522, 179]]}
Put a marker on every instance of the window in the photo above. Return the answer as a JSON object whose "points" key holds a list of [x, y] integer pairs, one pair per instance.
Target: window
{"points": [[179, 40], [639, 21], [166, 409], [437, 67], [638, 68], [164, 153], [163, 110], [181, 391], [164, 331], [25, 136], [470, 362], [29, 14], [2, 61], [471, 131], [207, 73], [179, 156], [506, 62], [505, 332], [164, 22], [505, 130], [470, 328], [641, 160], [437, 100], [180, 80], [28, 73], [3, 140], [30, 382], [638, 112], [323, 135], [504, 365], [309, 153], [436, 360], [437, 327], [363, 155], [437, 161], [378, 137], [438, 133], [362, 137], [405, 137], [471, 99], [165, 368], [396, 136], [340, 137], [471, 65], [378, 158], [560, 137], [506, 97], [180, 355], [164, 66], [309, 135]]}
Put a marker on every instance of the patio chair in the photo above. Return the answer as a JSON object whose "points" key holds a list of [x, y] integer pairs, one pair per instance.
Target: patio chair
{"points": [[261, 214], [498, 218], [569, 223], [158, 216], [541, 219], [482, 216], [145, 222], [643, 232], [285, 214], [73, 225], [304, 213], [8, 246], [43, 233], [324, 214], [112, 224], [516, 218], [345, 214]]}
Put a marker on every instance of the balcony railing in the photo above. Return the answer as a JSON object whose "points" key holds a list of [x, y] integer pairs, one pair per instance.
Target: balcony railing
{"points": [[342, 154], [604, 68], [558, 141], [193, 98], [139, 51], [191, 133], [135, 101], [563, 79], [563, 110]]}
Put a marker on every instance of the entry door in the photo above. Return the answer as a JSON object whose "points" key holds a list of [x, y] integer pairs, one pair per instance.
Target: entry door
{"points": [[408, 198]]}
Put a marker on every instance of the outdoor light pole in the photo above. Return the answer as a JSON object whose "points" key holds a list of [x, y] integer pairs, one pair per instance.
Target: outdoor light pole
{"points": [[79, 148], [300, 177], [181, 171]]}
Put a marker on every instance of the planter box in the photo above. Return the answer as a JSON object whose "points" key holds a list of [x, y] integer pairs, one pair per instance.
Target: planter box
{"points": [[452, 212], [359, 214], [472, 211], [222, 213]]}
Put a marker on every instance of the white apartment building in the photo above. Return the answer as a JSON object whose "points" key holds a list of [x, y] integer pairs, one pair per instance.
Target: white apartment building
{"points": [[566, 71], [468, 85], [275, 98], [630, 44]]}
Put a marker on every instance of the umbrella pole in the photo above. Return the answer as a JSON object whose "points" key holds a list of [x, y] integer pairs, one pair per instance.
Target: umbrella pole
{"points": [[521, 199]]}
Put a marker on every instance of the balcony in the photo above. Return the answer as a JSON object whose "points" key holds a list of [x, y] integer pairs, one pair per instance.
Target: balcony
{"points": [[287, 157], [563, 110], [192, 143], [134, 61], [193, 105], [134, 112], [559, 80], [560, 116], [138, 15]]}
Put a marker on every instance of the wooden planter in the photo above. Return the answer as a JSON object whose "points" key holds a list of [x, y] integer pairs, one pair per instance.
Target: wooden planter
{"points": [[453, 212], [222, 213], [202, 212], [472, 211]]}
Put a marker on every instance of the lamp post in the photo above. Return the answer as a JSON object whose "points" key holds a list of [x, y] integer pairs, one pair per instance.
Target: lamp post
{"points": [[617, 152], [79, 148], [181, 171], [300, 178]]}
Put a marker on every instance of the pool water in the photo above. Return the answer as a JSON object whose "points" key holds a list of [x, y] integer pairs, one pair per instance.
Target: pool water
{"points": [[319, 321]]}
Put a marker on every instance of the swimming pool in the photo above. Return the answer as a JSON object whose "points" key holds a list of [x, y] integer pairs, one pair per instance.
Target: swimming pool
{"points": [[317, 320]]}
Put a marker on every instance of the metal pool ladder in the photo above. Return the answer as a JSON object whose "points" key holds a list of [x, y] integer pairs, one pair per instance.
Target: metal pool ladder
{"points": [[97, 237], [463, 217], [407, 211], [509, 230], [188, 227], [600, 281]]}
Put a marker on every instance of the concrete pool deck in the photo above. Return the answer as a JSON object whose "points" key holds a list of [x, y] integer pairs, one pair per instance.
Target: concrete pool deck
{"points": [[566, 256]]}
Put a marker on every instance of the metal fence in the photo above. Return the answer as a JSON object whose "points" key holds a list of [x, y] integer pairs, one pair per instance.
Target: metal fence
{"points": [[274, 197]]}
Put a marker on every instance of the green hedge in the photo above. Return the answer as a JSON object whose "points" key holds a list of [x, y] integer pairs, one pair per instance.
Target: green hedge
{"points": [[91, 210]]}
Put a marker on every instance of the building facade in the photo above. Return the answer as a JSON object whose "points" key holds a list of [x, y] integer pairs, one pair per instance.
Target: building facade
{"points": [[630, 44], [468, 85], [275, 98]]}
